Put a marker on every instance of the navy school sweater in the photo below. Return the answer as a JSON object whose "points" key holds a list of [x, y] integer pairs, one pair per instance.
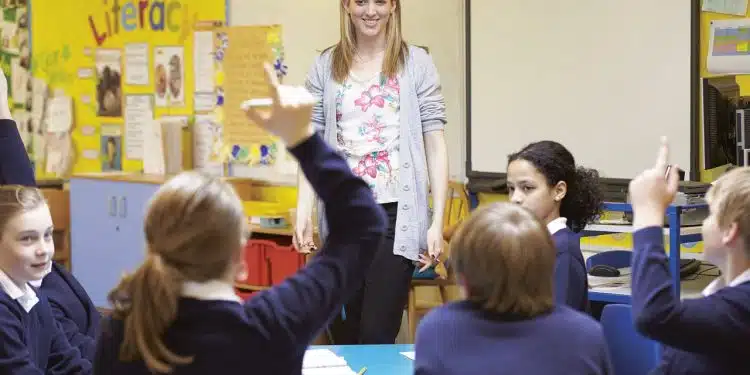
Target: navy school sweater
{"points": [[707, 336], [15, 167], [73, 309], [571, 282], [269, 333], [461, 338], [34, 343]]}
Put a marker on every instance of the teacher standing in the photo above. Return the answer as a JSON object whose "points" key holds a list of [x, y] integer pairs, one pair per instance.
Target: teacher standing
{"points": [[381, 105]]}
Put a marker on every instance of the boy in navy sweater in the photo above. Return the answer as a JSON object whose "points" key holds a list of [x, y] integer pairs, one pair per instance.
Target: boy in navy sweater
{"points": [[509, 324], [31, 341], [708, 335], [178, 311], [544, 178], [72, 308]]}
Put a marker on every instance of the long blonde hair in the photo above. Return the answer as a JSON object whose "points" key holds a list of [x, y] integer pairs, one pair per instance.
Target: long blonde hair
{"points": [[194, 231], [396, 49]]}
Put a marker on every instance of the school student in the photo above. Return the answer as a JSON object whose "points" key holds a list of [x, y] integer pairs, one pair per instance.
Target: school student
{"points": [[15, 167], [31, 340], [504, 260], [178, 311], [707, 335], [72, 308], [544, 178]]}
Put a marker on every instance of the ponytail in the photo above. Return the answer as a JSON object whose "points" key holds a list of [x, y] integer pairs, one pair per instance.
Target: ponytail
{"points": [[147, 302], [583, 202]]}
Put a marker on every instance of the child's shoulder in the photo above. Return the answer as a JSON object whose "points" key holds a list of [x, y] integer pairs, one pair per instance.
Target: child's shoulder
{"points": [[450, 312]]}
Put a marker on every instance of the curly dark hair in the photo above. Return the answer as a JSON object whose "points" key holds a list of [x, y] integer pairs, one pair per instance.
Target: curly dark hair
{"points": [[583, 201]]}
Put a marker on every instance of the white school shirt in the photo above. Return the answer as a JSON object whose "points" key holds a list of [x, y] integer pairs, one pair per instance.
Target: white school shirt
{"points": [[25, 296], [556, 225], [368, 131], [719, 283], [212, 290]]}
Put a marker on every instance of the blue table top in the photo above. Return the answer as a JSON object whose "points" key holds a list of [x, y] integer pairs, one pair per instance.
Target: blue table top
{"points": [[379, 359]]}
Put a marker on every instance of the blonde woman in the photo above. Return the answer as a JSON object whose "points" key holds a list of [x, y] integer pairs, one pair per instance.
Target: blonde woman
{"points": [[382, 106]]}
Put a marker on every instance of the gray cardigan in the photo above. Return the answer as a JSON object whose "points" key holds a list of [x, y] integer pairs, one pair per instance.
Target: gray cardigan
{"points": [[422, 110]]}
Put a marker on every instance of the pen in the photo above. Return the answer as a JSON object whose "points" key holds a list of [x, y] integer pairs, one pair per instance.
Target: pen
{"points": [[362, 371]]}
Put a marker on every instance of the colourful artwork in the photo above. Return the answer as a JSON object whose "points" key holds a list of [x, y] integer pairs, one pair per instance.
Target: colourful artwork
{"points": [[731, 41]]}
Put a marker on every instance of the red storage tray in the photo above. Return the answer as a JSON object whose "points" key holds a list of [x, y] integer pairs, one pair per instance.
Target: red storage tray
{"points": [[258, 266], [284, 261]]}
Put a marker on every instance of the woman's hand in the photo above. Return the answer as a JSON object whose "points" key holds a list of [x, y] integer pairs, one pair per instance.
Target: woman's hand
{"points": [[303, 236], [435, 240]]}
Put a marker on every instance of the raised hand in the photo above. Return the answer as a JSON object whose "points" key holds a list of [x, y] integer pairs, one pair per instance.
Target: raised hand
{"points": [[653, 190], [289, 116]]}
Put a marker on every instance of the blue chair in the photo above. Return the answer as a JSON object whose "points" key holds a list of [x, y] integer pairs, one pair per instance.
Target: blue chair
{"points": [[631, 353], [614, 258]]}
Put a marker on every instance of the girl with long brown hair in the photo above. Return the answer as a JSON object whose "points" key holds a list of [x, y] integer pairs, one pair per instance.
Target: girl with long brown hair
{"points": [[177, 313], [382, 107]]}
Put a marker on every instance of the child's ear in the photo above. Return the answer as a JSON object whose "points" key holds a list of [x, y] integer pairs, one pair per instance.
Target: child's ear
{"points": [[730, 234], [560, 190]]}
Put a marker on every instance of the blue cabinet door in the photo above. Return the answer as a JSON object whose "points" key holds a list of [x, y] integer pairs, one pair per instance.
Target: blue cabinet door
{"points": [[106, 232]]}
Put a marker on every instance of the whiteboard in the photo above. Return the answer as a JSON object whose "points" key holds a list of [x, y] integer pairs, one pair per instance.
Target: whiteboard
{"points": [[606, 78], [309, 26]]}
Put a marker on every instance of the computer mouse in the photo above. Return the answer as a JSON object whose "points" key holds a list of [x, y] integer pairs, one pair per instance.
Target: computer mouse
{"points": [[604, 270]]}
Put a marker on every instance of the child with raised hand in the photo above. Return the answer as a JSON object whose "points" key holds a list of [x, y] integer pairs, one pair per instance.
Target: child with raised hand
{"points": [[504, 259], [178, 312], [708, 335], [31, 340], [544, 177], [15, 167]]}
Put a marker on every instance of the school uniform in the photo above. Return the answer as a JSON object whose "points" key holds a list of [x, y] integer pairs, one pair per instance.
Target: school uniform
{"points": [[708, 335], [461, 338], [270, 332], [73, 309], [15, 167], [571, 282], [31, 341]]}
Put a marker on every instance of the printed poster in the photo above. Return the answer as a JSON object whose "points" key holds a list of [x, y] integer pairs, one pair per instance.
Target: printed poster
{"points": [[169, 73]]}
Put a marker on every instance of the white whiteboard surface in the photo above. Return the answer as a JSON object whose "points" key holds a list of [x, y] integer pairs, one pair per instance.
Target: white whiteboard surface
{"points": [[606, 78], [309, 26]]}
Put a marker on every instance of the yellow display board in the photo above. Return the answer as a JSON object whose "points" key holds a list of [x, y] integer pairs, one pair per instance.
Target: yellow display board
{"points": [[122, 62]]}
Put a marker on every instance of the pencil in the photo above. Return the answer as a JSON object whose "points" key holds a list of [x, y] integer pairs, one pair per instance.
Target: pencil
{"points": [[362, 371]]}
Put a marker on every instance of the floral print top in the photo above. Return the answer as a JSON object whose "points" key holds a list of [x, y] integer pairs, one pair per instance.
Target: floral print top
{"points": [[367, 122]]}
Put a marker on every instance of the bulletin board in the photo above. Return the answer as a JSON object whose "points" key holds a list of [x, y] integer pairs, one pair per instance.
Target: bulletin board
{"points": [[123, 63], [15, 60]]}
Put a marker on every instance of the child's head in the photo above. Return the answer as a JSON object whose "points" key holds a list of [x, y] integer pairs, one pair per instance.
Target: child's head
{"points": [[195, 231], [26, 246], [504, 258], [544, 178], [727, 227]]}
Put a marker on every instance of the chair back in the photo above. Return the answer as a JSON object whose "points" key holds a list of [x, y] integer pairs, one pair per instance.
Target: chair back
{"points": [[630, 352], [614, 258]]}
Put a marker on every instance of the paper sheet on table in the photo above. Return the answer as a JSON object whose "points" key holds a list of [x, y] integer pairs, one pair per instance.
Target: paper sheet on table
{"points": [[734, 7], [409, 355], [339, 370], [316, 358]]}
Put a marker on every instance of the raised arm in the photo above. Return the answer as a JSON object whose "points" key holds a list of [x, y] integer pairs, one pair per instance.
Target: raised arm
{"points": [[691, 324], [15, 166], [295, 311]]}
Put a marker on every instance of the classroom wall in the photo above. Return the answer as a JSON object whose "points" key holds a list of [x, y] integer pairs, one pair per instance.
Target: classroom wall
{"points": [[311, 26]]}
